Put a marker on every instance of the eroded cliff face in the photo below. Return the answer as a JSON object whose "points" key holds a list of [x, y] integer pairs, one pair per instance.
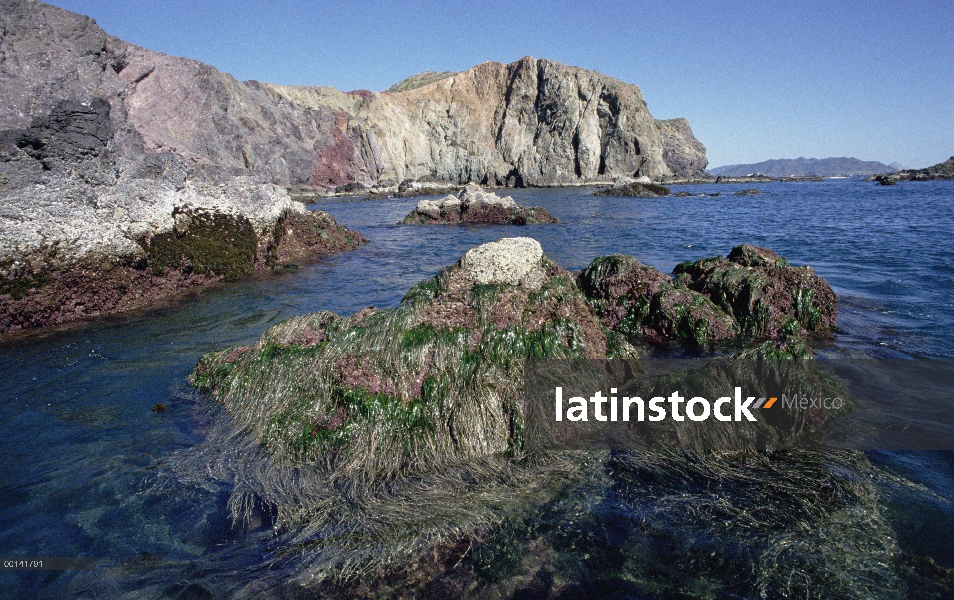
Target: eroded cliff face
{"points": [[532, 122], [684, 154]]}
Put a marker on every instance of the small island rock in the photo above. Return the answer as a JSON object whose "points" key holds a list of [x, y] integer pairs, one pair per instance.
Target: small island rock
{"points": [[476, 206]]}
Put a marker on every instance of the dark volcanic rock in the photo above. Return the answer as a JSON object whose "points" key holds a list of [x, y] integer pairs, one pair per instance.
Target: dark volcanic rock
{"points": [[635, 190], [748, 192], [940, 171], [71, 132], [475, 206]]}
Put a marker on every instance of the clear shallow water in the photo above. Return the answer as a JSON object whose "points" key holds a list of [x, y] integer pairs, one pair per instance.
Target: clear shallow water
{"points": [[81, 443]]}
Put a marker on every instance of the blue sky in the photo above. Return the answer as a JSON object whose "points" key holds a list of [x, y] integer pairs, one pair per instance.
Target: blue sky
{"points": [[757, 80]]}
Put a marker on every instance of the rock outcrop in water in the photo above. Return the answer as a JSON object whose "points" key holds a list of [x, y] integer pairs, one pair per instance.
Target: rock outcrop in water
{"points": [[475, 206], [437, 379], [635, 190], [408, 427], [752, 294], [940, 171], [402, 431]]}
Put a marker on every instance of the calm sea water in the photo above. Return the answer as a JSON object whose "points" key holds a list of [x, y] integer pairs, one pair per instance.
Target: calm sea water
{"points": [[79, 438]]}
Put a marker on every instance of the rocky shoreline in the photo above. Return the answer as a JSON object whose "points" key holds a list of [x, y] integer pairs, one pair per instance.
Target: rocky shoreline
{"points": [[204, 246], [127, 175], [939, 172], [91, 225]]}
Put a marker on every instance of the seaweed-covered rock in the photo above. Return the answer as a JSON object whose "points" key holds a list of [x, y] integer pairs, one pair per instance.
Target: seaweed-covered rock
{"points": [[762, 292], [434, 380], [642, 303], [684, 315], [474, 205], [635, 190], [754, 293], [438, 378], [193, 244]]}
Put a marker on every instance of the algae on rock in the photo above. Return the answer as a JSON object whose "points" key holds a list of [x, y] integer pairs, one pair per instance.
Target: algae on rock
{"points": [[391, 436], [438, 378], [434, 380], [754, 294]]}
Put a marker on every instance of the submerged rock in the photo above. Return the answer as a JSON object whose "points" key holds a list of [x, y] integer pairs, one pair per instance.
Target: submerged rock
{"points": [[748, 192], [474, 205], [635, 190]]}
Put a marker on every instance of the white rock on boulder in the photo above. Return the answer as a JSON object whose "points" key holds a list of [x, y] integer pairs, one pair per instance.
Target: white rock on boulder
{"points": [[473, 194], [430, 207], [507, 261]]}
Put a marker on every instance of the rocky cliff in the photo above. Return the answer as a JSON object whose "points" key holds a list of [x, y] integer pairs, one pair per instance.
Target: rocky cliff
{"points": [[535, 122], [114, 157], [97, 214], [683, 153]]}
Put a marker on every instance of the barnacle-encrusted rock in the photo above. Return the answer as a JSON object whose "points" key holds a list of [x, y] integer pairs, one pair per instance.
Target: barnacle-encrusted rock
{"points": [[509, 261]]}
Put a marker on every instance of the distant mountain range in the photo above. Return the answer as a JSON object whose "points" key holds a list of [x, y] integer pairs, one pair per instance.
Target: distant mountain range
{"points": [[810, 167]]}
